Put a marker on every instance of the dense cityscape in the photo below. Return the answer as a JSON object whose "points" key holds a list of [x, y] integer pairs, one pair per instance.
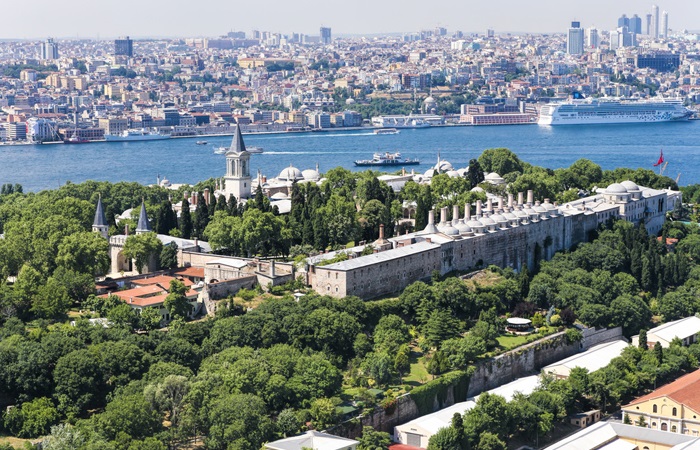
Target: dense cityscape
{"points": [[484, 305]]}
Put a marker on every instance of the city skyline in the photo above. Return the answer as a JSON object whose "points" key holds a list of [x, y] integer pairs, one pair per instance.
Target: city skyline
{"points": [[83, 19]]}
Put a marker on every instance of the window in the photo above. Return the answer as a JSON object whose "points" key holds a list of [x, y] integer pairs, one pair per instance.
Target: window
{"points": [[674, 412], [673, 429], [655, 409]]}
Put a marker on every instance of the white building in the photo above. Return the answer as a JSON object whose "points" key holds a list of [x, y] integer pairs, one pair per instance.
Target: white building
{"points": [[313, 440], [618, 436], [574, 39], [595, 358], [685, 329]]}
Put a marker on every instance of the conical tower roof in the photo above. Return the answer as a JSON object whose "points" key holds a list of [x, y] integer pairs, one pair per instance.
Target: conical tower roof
{"points": [[143, 226], [237, 144], [100, 219]]}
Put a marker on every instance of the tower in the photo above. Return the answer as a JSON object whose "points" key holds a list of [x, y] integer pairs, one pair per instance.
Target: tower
{"points": [[49, 49], [99, 224], [237, 178], [124, 46], [143, 226], [325, 35], [664, 24], [655, 21], [574, 39], [592, 38]]}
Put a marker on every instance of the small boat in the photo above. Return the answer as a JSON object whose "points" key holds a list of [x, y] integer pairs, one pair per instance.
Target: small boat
{"points": [[254, 149], [220, 150], [76, 140], [387, 159], [201, 142], [386, 131]]}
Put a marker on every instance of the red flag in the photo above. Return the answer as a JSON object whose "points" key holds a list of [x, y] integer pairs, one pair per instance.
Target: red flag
{"points": [[661, 159]]}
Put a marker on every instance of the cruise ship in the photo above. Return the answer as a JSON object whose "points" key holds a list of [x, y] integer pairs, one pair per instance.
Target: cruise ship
{"points": [[136, 135], [410, 121], [599, 111]]}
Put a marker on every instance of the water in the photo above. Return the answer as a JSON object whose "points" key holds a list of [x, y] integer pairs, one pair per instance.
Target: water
{"points": [[39, 167]]}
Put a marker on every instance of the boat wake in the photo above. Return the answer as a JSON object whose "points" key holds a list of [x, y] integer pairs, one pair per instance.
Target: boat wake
{"points": [[313, 135]]}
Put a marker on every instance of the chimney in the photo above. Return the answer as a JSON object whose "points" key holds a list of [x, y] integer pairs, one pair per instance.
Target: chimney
{"points": [[196, 244], [500, 203], [264, 179], [510, 200], [443, 215], [489, 204], [206, 196], [272, 268], [381, 231], [126, 230], [478, 208], [193, 200], [467, 212], [520, 199], [431, 217], [530, 197], [455, 214]]}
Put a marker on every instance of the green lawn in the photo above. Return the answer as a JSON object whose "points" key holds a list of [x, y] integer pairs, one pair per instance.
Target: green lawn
{"points": [[510, 341], [419, 374]]}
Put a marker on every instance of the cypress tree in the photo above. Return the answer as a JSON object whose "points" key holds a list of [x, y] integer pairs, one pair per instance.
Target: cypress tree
{"points": [[320, 233], [232, 206], [212, 206], [659, 353], [201, 216], [185, 220], [643, 340], [221, 204]]}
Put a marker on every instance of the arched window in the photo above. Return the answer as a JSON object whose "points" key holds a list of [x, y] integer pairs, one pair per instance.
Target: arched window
{"points": [[653, 425], [664, 427], [674, 412], [654, 408], [673, 429]]}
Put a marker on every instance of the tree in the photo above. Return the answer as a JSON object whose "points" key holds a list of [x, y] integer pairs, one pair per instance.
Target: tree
{"points": [[142, 248], [201, 216], [150, 318], [168, 256], [440, 326], [85, 252], [78, 379], [659, 353], [643, 340], [489, 441], [185, 220], [373, 440], [130, 414], [445, 439], [63, 437], [122, 316], [238, 421], [390, 333], [324, 411], [475, 174], [500, 160], [176, 302], [373, 214], [169, 396], [51, 300], [288, 422], [32, 419]]}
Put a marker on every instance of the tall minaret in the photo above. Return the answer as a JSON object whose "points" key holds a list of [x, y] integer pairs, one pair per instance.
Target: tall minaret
{"points": [[99, 224], [237, 179], [143, 226]]}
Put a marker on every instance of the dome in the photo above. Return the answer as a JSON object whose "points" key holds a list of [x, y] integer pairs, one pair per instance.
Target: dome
{"points": [[510, 216], [350, 101], [463, 227], [487, 221], [492, 176], [498, 218], [448, 229], [429, 173], [453, 174], [616, 188], [476, 189], [474, 224], [443, 166], [629, 185], [310, 174], [279, 196], [291, 173], [539, 208], [462, 172], [429, 99]]}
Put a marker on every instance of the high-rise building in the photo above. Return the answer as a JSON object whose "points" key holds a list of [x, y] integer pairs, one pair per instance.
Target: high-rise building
{"points": [[574, 39], [124, 47], [615, 38], [49, 49], [623, 21], [655, 21], [592, 39], [636, 24], [648, 29], [325, 35], [664, 23]]}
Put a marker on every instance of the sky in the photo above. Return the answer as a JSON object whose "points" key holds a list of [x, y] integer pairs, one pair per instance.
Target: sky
{"points": [[105, 19]]}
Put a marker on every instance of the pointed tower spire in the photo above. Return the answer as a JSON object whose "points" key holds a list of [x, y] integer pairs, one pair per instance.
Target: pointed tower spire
{"points": [[143, 226], [237, 144], [99, 224]]}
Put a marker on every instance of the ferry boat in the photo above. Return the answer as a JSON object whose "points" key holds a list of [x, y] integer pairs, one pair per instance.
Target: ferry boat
{"points": [[386, 131], [201, 142], [136, 135], [396, 122], [387, 159], [600, 111]]}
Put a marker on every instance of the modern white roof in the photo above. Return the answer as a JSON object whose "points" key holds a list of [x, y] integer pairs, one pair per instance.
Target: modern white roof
{"points": [[613, 436], [681, 328], [525, 385], [229, 262], [381, 257], [314, 440], [593, 359]]}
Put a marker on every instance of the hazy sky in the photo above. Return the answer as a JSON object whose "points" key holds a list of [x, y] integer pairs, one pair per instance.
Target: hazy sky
{"points": [[138, 18]]}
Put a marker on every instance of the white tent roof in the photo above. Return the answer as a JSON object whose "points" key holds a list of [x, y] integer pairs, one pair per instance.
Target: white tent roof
{"points": [[314, 440]]}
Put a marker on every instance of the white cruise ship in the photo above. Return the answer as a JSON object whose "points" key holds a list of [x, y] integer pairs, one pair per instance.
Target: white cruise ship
{"points": [[136, 135], [410, 121], [599, 111]]}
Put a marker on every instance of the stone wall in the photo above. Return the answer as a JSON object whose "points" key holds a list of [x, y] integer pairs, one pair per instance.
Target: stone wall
{"points": [[488, 374], [222, 289]]}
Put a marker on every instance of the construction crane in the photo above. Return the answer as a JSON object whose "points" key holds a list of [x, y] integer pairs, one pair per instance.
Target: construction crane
{"points": [[663, 168], [678, 177]]}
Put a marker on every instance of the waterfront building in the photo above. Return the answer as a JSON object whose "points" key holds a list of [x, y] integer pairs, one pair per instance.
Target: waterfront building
{"points": [[574, 39], [49, 50], [124, 47]]}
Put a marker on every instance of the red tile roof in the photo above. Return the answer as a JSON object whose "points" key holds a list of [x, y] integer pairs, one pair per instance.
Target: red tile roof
{"points": [[685, 390]]}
